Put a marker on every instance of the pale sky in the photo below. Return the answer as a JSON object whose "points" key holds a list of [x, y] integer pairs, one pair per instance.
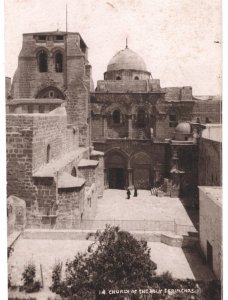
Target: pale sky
{"points": [[176, 38]]}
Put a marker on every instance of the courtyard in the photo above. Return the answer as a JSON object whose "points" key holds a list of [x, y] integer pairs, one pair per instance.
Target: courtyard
{"points": [[144, 209], [182, 263]]}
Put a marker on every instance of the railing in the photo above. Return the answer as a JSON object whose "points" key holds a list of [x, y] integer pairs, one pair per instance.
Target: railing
{"points": [[53, 222]]}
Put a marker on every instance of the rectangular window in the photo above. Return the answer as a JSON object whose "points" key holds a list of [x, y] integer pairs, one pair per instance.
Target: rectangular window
{"points": [[41, 109], [59, 37], [41, 37], [30, 109], [173, 121]]}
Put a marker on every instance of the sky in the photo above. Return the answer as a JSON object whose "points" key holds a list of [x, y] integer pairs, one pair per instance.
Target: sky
{"points": [[180, 40]]}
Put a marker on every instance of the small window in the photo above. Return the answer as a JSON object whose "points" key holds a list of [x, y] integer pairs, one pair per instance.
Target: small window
{"points": [[74, 172], [41, 109], [59, 62], [59, 37], [136, 78], [116, 117], [173, 120], [197, 120], [41, 37], [30, 109], [118, 78], [141, 119], [51, 94], [48, 153], [43, 62]]}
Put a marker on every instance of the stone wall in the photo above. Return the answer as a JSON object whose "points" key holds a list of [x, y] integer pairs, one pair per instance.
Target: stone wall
{"points": [[210, 162], [210, 109], [70, 204], [19, 157], [211, 225]]}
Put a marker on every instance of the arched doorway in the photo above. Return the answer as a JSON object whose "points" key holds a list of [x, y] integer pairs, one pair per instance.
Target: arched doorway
{"points": [[116, 166], [141, 165]]}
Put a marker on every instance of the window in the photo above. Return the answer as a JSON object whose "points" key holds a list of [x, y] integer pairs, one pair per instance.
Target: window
{"points": [[173, 120], [30, 109], [41, 38], [48, 153], [141, 120], [197, 120], [118, 78], [136, 78], [59, 38], [43, 62], [74, 172], [41, 109], [59, 62], [116, 117], [51, 94]]}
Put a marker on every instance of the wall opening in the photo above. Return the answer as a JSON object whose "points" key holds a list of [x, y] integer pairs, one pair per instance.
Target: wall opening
{"points": [[141, 119], [118, 78], [173, 120], [43, 62], [59, 62], [136, 78], [116, 117], [74, 172], [48, 153]]}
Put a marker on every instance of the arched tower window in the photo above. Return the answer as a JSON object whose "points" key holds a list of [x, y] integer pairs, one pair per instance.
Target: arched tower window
{"points": [[118, 78], [59, 62], [141, 118], [74, 172], [116, 117], [43, 61], [48, 153], [136, 78]]}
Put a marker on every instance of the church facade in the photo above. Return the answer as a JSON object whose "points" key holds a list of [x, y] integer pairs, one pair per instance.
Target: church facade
{"points": [[148, 133]]}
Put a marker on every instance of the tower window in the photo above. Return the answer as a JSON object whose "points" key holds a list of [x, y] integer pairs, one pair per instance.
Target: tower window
{"points": [[118, 78], [41, 37], [30, 109], [136, 78], [141, 118], [43, 62], [48, 154], [116, 117], [59, 62]]}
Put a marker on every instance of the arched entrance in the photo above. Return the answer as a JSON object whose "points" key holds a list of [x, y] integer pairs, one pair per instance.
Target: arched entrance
{"points": [[141, 165], [116, 166]]}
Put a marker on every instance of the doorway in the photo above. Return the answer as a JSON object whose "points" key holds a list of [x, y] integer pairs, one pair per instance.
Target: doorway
{"points": [[116, 178], [210, 255]]}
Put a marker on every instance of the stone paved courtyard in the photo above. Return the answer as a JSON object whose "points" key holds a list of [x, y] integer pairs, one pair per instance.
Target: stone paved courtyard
{"points": [[180, 263], [114, 205]]}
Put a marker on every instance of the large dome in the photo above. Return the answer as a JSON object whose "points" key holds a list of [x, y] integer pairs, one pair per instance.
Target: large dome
{"points": [[126, 60]]}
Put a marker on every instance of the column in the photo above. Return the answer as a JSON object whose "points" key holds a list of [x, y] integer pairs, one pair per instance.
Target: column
{"points": [[105, 127], [130, 127], [130, 181], [106, 178]]}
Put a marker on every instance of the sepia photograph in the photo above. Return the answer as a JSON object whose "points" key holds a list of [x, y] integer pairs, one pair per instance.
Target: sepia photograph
{"points": [[113, 129]]}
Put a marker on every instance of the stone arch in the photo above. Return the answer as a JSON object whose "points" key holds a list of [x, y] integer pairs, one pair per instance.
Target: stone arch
{"points": [[116, 167], [141, 169], [42, 55], [50, 92]]}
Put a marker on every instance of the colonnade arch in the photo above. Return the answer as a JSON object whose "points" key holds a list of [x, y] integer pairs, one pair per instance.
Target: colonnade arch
{"points": [[123, 170]]}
